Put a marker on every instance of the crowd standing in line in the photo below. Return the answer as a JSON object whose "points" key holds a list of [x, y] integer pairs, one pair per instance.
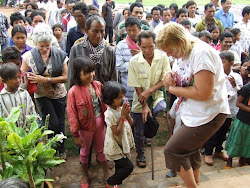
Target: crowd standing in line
{"points": [[119, 66]]}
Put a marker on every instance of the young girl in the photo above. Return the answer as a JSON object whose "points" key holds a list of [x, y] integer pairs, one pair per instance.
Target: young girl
{"points": [[215, 32], [237, 45], [85, 114], [119, 138], [238, 142], [19, 36]]}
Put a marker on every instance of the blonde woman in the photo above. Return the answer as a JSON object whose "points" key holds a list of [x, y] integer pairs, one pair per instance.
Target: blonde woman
{"points": [[198, 80]]}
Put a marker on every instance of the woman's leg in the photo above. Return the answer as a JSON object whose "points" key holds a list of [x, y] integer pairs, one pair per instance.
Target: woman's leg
{"points": [[188, 177], [59, 107], [197, 175]]}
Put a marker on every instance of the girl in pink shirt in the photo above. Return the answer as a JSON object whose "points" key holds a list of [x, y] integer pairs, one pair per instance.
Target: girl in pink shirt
{"points": [[215, 32], [85, 114]]}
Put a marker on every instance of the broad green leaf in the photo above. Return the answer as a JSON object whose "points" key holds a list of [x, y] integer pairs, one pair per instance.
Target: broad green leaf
{"points": [[14, 114], [8, 172], [52, 162], [47, 154], [31, 139], [14, 142], [39, 181], [4, 129], [21, 132], [33, 126], [19, 169], [12, 127], [38, 173]]}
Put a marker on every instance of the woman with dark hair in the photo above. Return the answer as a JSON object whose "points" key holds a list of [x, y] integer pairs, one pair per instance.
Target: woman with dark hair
{"points": [[173, 9]]}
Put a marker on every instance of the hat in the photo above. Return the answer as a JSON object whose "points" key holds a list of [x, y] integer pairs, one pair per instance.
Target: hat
{"points": [[150, 127]]}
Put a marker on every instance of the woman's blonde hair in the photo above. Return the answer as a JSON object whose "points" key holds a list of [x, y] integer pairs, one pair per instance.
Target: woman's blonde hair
{"points": [[176, 37]]}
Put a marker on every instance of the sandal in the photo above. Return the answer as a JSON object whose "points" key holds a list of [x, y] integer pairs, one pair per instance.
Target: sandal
{"points": [[209, 160], [141, 161], [110, 186], [84, 185], [63, 156], [171, 174], [227, 167]]}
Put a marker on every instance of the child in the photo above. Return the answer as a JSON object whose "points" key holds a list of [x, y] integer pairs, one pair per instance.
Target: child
{"points": [[205, 36], [237, 45], [119, 137], [215, 32], [28, 24], [19, 36], [234, 83], [85, 114], [187, 24], [58, 33], [149, 17], [13, 95], [175, 125], [237, 144], [12, 54]]}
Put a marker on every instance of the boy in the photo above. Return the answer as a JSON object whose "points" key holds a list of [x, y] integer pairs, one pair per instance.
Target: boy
{"points": [[13, 55], [13, 95], [149, 17], [234, 83], [58, 33]]}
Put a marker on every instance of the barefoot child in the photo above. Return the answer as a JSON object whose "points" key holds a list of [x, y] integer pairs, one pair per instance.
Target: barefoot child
{"points": [[119, 137], [85, 114]]}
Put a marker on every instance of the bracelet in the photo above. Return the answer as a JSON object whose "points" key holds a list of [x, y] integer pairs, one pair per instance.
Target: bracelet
{"points": [[49, 79], [123, 119]]}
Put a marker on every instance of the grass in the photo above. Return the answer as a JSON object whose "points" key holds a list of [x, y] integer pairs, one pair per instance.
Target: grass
{"points": [[178, 2]]}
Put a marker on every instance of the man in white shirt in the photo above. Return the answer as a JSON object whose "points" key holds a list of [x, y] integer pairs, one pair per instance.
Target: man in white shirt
{"points": [[166, 18], [156, 13], [192, 17]]}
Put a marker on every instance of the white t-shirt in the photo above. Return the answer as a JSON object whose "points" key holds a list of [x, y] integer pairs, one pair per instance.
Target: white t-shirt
{"points": [[194, 112]]}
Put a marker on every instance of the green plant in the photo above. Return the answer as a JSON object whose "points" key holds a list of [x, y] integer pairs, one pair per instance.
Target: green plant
{"points": [[24, 153]]}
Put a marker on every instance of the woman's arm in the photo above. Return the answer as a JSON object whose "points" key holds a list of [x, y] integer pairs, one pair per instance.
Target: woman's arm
{"points": [[34, 78], [25, 67], [202, 90], [241, 105]]}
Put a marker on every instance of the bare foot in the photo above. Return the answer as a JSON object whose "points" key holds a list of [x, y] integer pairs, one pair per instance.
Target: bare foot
{"points": [[221, 155], [209, 160], [111, 164]]}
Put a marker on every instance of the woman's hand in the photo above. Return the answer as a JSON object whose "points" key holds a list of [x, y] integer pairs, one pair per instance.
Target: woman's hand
{"points": [[78, 141], [168, 80], [34, 78]]}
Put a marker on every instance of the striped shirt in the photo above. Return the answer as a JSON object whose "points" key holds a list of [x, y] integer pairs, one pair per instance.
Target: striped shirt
{"points": [[4, 26], [9, 100]]}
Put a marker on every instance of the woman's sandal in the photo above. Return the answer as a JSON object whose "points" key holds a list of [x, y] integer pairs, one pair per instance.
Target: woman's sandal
{"points": [[141, 161], [84, 185]]}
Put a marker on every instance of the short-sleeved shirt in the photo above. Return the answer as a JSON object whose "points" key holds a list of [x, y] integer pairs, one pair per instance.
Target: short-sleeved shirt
{"points": [[227, 20], [142, 75], [202, 57], [107, 11], [245, 34], [243, 115], [53, 91], [117, 147], [9, 100]]}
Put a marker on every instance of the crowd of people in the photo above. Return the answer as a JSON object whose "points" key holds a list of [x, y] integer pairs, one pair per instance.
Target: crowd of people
{"points": [[110, 71]]}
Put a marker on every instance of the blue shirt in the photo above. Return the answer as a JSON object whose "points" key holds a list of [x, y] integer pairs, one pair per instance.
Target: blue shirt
{"points": [[227, 20], [73, 34]]}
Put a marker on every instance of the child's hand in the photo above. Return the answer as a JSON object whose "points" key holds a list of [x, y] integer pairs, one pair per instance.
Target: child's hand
{"points": [[78, 141], [232, 81], [125, 110]]}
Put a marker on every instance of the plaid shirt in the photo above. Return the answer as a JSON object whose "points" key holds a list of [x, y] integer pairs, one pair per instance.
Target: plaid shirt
{"points": [[4, 26]]}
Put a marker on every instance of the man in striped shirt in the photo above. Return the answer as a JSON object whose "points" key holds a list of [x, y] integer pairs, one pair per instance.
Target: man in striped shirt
{"points": [[13, 96]]}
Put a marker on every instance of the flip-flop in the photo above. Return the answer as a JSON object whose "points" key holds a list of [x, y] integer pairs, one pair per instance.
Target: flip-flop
{"points": [[227, 167], [141, 161], [171, 174], [112, 186], [84, 185]]}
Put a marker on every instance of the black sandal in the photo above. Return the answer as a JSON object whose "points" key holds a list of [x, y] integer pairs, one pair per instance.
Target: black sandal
{"points": [[141, 161]]}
